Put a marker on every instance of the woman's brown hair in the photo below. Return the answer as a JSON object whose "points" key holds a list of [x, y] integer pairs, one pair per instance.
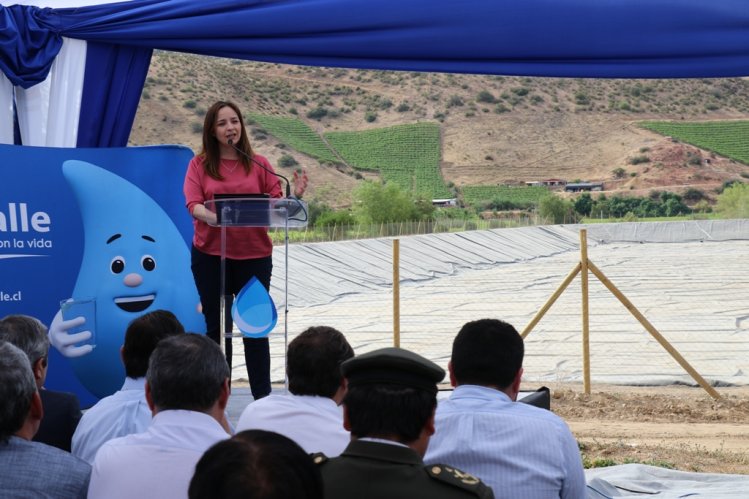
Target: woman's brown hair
{"points": [[211, 153]]}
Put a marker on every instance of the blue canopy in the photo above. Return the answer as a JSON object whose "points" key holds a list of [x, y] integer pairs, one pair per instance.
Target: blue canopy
{"points": [[563, 38], [568, 38]]}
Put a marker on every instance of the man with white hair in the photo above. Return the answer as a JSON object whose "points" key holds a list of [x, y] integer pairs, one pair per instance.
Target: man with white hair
{"points": [[31, 469], [62, 410]]}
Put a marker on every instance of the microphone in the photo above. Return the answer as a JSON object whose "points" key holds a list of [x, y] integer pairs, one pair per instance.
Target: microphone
{"points": [[291, 204], [240, 151]]}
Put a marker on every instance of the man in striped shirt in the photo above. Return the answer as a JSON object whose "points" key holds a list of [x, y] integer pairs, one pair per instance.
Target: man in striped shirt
{"points": [[521, 451]]}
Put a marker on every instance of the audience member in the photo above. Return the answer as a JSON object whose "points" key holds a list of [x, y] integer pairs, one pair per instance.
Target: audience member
{"points": [[521, 451], [389, 410], [31, 469], [61, 410], [310, 415], [256, 464], [126, 411], [187, 388]]}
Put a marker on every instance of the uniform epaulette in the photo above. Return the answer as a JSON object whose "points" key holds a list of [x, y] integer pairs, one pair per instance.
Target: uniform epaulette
{"points": [[458, 478], [319, 458]]}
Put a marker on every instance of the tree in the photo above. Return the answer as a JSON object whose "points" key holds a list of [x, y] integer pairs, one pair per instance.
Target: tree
{"points": [[376, 202], [733, 202], [584, 204], [556, 210]]}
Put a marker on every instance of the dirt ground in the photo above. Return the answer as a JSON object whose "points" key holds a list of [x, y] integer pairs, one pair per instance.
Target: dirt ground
{"points": [[677, 427]]}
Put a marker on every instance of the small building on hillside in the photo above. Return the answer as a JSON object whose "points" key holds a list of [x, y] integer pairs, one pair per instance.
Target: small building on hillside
{"points": [[584, 186], [549, 182], [445, 203]]}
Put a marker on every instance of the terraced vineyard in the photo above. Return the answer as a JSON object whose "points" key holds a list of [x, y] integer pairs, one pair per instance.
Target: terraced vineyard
{"points": [[296, 134], [476, 194], [408, 155], [727, 138]]}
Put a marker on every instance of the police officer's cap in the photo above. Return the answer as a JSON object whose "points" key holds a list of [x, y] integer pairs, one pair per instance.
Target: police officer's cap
{"points": [[393, 366]]}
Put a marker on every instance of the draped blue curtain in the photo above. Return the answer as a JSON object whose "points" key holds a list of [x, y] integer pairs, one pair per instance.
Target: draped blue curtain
{"points": [[574, 38], [112, 87], [27, 50]]}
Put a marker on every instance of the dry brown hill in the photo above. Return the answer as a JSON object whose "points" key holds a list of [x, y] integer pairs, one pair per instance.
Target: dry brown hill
{"points": [[494, 129]]}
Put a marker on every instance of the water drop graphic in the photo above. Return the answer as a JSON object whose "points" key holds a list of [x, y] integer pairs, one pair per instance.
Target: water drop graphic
{"points": [[253, 311]]}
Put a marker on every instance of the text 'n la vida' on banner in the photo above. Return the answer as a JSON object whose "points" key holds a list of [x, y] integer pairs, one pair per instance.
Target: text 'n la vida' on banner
{"points": [[103, 227]]}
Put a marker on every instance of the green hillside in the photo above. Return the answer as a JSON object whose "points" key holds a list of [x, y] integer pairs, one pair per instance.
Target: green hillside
{"points": [[727, 138], [408, 155], [296, 134]]}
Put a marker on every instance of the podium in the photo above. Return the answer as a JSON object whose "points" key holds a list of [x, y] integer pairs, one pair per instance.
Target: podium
{"points": [[255, 211]]}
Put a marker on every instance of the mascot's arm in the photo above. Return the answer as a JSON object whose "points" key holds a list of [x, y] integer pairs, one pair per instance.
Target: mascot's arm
{"points": [[65, 342]]}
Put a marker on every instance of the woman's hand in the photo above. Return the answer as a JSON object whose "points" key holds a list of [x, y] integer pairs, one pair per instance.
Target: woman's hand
{"points": [[300, 183], [203, 214]]}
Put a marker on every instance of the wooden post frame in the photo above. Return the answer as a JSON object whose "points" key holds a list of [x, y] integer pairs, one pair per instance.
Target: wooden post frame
{"points": [[583, 267], [396, 294]]}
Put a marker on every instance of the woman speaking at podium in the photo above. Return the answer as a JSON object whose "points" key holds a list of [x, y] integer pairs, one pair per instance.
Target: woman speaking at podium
{"points": [[227, 164]]}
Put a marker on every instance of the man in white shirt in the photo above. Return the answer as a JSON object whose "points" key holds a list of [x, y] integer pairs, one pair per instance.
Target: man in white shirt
{"points": [[311, 414], [521, 451], [126, 411], [187, 388]]}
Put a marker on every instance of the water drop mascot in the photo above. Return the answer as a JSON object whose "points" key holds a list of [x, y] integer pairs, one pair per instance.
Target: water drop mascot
{"points": [[134, 261]]}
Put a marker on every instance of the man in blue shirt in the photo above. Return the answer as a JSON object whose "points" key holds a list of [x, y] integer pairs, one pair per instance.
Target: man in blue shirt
{"points": [[521, 451], [126, 411]]}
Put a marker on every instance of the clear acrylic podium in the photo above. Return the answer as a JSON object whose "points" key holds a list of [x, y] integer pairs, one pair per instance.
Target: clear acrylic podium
{"points": [[250, 211]]}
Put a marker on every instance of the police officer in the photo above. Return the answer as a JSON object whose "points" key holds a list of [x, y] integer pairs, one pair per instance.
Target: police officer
{"points": [[389, 410]]}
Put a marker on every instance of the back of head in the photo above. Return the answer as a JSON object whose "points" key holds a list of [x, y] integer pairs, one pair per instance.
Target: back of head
{"points": [[391, 394], [186, 371], [256, 464], [487, 352], [142, 336], [28, 334], [314, 361], [17, 387]]}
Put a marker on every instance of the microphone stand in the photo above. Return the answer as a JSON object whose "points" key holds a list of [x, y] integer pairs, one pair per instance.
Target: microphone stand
{"points": [[284, 205]]}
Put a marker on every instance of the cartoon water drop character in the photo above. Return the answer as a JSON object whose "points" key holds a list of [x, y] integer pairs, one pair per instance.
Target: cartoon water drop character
{"points": [[134, 261]]}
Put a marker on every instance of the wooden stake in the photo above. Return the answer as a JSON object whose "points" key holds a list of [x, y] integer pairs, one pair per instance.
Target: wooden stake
{"points": [[654, 332], [396, 294], [586, 318], [550, 301]]}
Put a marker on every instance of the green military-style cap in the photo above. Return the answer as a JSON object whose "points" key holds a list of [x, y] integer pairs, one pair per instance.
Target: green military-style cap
{"points": [[393, 365]]}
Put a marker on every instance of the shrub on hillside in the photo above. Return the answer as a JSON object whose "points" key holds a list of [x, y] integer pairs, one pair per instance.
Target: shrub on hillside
{"points": [[317, 113], [454, 101], [636, 160], [287, 161], [486, 96]]}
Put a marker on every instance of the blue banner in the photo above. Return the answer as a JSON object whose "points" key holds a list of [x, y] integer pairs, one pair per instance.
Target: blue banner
{"points": [[107, 225]]}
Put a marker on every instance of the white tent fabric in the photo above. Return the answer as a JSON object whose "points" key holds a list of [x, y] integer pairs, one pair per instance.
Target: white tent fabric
{"points": [[48, 112], [634, 481], [6, 110]]}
